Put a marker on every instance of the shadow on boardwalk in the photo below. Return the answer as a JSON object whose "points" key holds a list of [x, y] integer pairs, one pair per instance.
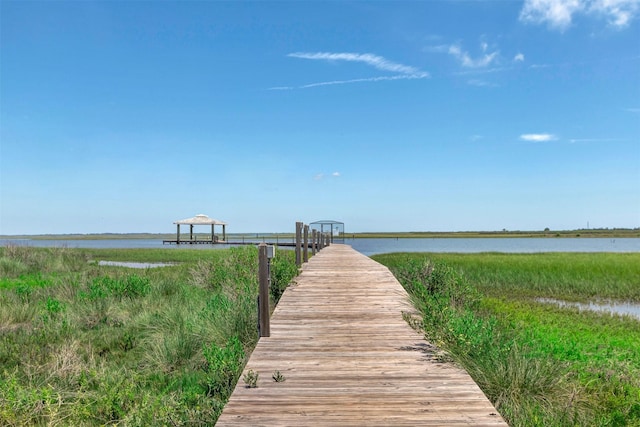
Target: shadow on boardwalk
{"points": [[349, 359]]}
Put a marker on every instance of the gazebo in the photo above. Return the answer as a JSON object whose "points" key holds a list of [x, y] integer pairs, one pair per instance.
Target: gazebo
{"points": [[201, 219]]}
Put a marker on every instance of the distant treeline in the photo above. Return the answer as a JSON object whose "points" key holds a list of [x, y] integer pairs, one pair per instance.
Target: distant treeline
{"points": [[583, 232], [591, 232]]}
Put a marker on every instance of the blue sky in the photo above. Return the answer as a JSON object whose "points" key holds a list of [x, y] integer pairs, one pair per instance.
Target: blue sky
{"points": [[389, 116]]}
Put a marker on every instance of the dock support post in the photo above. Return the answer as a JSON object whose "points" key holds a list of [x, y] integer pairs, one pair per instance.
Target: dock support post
{"points": [[298, 243], [305, 250], [264, 327], [313, 241]]}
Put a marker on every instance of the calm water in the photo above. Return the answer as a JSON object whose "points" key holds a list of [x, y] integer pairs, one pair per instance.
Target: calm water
{"points": [[510, 245], [377, 246], [130, 264], [611, 307]]}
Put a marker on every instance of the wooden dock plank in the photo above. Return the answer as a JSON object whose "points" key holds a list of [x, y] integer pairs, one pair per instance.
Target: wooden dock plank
{"points": [[350, 359]]}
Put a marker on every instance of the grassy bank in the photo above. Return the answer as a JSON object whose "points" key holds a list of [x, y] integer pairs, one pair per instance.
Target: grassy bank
{"points": [[539, 364], [83, 344]]}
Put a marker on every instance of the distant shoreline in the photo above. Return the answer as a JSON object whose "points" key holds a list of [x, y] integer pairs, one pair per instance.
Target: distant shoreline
{"points": [[603, 233]]}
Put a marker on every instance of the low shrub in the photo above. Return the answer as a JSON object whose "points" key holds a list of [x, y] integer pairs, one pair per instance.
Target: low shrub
{"points": [[223, 366], [283, 270]]}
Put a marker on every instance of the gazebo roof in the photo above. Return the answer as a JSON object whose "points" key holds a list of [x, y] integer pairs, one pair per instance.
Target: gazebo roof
{"points": [[200, 219]]}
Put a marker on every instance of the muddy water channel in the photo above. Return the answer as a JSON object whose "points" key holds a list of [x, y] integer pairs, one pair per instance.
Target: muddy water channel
{"points": [[611, 307]]}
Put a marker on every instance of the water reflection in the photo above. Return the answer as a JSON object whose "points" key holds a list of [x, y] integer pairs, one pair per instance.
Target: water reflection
{"points": [[611, 307]]}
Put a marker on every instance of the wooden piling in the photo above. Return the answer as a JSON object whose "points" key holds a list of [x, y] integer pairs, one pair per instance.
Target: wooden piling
{"points": [[305, 249], [298, 243], [314, 244], [264, 326]]}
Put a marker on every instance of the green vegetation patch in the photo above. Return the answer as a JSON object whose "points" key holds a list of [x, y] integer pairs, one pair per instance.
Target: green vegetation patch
{"points": [[539, 364], [568, 276], [84, 344], [25, 282]]}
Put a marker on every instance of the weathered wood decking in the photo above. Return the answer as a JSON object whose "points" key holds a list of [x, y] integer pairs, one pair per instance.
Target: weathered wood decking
{"points": [[349, 358]]}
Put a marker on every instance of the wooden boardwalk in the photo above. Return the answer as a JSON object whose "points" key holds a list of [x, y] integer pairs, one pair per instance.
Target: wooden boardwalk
{"points": [[349, 359]]}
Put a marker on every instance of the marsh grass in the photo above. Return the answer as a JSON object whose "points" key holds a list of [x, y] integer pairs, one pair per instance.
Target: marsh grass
{"points": [[530, 390], [539, 364], [83, 344], [569, 276]]}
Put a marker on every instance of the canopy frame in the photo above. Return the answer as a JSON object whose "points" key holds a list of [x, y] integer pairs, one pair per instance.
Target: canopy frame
{"points": [[334, 228]]}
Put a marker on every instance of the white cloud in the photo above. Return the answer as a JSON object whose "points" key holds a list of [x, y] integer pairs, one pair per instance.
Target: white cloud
{"points": [[406, 72], [481, 71], [585, 140], [467, 61], [558, 14], [281, 88], [367, 79], [441, 48], [321, 176], [618, 12], [519, 57], [370, 59], [536, 66], [538, 137], [480, 83]]}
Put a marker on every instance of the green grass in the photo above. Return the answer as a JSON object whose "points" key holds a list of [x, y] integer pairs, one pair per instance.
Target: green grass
{"points": [[571, 276], [82, 344], [538, 363]]}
